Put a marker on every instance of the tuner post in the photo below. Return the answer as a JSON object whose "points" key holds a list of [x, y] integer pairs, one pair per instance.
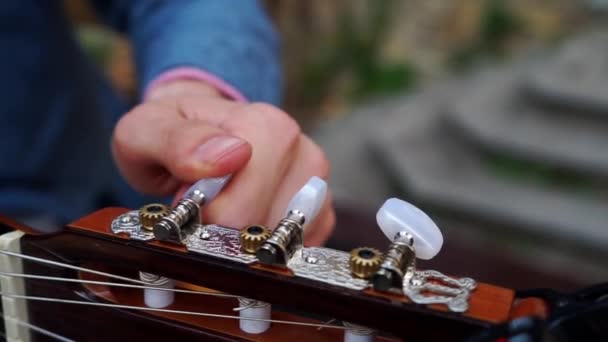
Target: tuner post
{"points": [[286, 239], [254, 315], [172, 227], [157, 298], [358, 333], [399, 260]]}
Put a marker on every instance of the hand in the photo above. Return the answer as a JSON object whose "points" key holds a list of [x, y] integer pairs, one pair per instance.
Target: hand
{"points": [[186, 131]]}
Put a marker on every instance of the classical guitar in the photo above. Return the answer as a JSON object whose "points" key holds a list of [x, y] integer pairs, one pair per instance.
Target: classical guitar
{"points": [[158, 273]]}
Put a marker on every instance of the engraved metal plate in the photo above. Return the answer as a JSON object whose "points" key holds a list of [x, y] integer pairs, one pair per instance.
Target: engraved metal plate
{"points": [[327, 266], [129, 223], [324, 265], [432, 287], [219, 242], [210, 240]]}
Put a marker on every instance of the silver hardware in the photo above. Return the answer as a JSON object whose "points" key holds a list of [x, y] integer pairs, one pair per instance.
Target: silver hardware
{"points": [[286, 240], [205, 234], [331, 267], [433, 287], [311, 259], [399, 260], [176, 226], [220, 242], [209, 240], [398, 271], [129, 223], [326, 265]]}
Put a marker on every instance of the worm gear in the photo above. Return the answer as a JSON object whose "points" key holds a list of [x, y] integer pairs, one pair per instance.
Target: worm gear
{"points": [[150, 214], [364, 261], [252, 237]]}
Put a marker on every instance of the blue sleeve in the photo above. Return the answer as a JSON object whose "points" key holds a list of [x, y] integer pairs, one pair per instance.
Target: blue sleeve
{"points": [[232, 39]]}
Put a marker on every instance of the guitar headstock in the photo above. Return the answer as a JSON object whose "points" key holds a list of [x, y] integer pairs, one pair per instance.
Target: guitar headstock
{"points": [[276, 284]]}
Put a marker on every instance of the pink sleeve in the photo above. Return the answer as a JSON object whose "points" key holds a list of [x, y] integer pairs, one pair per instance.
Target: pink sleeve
{"points": [[190, 73]]}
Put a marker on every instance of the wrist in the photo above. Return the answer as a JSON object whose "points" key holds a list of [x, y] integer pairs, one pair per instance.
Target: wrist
{"points": [[181, 87], [190, 80]]}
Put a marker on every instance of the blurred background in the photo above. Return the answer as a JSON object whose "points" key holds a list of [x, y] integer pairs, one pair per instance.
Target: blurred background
{"points": [[490, 115]]}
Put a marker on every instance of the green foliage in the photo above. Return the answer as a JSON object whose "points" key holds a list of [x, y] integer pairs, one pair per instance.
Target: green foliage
{"points": [[541, 174], [96, 42], [357, 52], [498, 25]]}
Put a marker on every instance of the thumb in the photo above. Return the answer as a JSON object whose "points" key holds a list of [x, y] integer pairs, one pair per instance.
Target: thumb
{"points": [[156, 151]]}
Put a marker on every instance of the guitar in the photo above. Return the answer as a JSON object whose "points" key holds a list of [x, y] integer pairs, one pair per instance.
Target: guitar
{"points": [[158, 273]]}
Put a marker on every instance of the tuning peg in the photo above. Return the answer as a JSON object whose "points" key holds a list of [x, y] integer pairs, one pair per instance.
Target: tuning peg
{"points": [[206, 189], [287, 237], [169, 228], [309, 199], [396, 216]]}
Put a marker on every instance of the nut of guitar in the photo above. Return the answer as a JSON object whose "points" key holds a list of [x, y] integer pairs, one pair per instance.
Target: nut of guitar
{"points": [[364, 261], [252, 237]]}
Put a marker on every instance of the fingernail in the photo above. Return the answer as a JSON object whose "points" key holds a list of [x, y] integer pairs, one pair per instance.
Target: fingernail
{"points": [[217, 147]]}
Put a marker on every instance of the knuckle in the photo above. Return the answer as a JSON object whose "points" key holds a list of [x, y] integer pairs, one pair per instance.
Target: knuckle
{"points": [[277, 119], [173, 155], [223, 212]]}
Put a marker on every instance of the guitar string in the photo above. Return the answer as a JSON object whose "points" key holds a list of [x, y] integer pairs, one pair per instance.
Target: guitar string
{"points": [[110, 275], [35, 328], [83, 269], [184, 312], [96, 282]]}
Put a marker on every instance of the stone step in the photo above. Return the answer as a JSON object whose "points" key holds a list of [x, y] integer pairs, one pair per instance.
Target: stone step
{"points": [[573, 75], [492, 114], [437, 170]]}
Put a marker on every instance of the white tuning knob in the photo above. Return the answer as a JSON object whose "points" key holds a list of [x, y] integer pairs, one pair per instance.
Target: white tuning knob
{"points": [[309, 199], [207, 187], [397, 215]]}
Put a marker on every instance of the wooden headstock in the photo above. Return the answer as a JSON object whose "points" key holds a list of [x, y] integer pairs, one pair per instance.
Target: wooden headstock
{"points": [[89, 242]]}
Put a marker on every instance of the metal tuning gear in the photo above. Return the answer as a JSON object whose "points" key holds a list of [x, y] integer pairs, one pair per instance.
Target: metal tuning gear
{"points": [[150, 214], [415, 235], [252, 237], [287, 238], [179, 223], [364, 262]]}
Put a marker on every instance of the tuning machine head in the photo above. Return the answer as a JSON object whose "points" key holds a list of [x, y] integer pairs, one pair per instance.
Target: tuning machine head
{"points": [[173, 226], [413, 235], [287, 237], [397, 216]]}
